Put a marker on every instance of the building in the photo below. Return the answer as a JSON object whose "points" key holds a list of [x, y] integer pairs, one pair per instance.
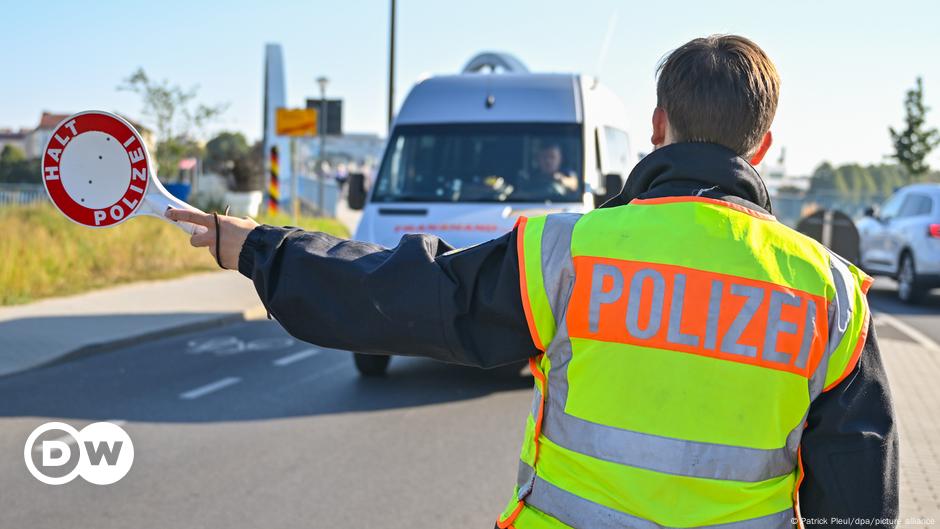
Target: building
{"points": [[774, 174], [37, 138], [360, 148]]}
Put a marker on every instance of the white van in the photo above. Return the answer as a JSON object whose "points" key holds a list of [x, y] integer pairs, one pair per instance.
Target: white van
{"points": [[468, 154]]}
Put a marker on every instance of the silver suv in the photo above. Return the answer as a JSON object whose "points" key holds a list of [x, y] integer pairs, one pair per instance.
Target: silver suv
{"points": [[903, 240]]}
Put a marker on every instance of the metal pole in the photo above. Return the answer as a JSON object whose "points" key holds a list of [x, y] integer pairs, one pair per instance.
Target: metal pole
{"points": [[197, 174], [826, 238], [295, 178], [320, 186], [391, 67]]}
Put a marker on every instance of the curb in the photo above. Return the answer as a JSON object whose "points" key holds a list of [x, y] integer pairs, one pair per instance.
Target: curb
{"points": [[254, 313]]}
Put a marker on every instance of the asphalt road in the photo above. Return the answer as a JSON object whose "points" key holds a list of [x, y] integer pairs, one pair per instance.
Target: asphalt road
{"points": [[241, 426], [913, 319]]}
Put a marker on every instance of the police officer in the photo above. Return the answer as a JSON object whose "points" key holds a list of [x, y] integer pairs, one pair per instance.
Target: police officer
{"points": [[696, 362]]}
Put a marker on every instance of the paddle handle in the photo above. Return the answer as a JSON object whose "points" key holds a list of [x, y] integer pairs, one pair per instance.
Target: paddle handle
{"points": [[158, 200]]}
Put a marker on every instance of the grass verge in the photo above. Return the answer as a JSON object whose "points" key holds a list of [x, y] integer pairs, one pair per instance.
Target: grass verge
{"points": [[43, 254]]}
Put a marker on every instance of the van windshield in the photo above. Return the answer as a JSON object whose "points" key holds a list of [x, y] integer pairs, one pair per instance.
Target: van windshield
{"points": [[492, 162]]}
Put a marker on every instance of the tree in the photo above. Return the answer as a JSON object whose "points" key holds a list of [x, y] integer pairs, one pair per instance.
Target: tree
{"points": [[172, 150], [858, 180], [11, 154], [248, 169], [177, 118], [229, 154], [223, 150], [823, 179], [913, 144], [15, 168], [888, 177]]}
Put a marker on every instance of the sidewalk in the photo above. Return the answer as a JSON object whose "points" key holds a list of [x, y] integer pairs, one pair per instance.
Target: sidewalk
{"points": [[44, 331], [914, 372]]}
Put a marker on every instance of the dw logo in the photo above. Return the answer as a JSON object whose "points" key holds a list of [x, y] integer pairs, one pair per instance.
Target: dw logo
{"points": [[101, 453]]}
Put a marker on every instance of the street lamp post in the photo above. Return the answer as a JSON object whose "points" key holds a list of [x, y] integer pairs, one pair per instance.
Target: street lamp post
{"points": [[323, 82], [391, 65]]}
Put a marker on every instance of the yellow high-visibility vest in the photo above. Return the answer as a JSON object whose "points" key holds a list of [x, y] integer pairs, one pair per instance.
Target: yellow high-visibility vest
{"points": [[684, 340]]}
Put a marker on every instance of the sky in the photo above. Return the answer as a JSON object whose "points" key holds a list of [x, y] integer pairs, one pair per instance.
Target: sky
{"points": [[845, 65]]}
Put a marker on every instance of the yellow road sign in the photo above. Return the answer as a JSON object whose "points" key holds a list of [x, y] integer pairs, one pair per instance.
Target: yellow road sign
{"points": [[295, 122]]}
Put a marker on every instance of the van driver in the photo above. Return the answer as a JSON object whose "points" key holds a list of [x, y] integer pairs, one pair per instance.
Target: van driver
{"points": [[549, 174]]}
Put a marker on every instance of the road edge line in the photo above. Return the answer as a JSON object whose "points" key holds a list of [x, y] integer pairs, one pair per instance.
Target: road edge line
{"points": [[920, 338], [289, 359], [210, 388]]}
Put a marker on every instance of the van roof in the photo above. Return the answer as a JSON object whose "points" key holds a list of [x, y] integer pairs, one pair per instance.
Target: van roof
{"points": [[516, 97]]}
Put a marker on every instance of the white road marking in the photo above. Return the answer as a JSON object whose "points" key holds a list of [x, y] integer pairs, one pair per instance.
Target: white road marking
{"points": [[296, 357], [209, 388], [69, 440], [911, 332]]}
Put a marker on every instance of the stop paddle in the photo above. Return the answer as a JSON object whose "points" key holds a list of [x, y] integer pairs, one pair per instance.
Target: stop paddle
{"points": [[98, 173]]}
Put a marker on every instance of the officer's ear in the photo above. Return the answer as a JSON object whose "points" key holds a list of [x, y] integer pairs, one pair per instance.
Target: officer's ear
{"points": [[660, 126], [762, 150]]}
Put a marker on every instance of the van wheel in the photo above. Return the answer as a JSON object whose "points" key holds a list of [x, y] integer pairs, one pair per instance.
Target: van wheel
{"points": [[910, 288], [371, 365]]}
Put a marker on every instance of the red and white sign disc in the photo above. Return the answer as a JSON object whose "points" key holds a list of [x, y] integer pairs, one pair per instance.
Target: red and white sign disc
{"points": [[96, 169]]}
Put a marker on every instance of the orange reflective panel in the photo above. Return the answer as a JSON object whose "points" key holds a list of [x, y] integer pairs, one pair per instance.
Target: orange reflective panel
{"points": [[693, 311]]}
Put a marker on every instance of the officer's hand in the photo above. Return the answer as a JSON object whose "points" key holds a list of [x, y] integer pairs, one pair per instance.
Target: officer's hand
{"points": [[234, 232]]}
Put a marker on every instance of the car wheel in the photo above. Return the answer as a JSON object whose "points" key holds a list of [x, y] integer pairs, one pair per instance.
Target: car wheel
{"points": [[910, 289], [371, 365]]}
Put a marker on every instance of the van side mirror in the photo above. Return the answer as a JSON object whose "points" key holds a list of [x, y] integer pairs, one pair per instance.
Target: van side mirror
{"points": [[356, 194], [613, 184]]}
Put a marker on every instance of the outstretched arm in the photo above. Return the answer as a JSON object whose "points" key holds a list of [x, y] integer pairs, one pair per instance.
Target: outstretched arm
{"points": [[421, 298]]}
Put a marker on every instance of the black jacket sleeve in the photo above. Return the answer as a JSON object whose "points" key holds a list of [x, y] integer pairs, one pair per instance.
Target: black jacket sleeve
{"points": [[422, 298], [850, 448]]}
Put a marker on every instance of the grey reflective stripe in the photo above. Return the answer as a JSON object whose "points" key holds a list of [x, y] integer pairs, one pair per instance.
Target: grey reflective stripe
{"points": [[579, 512], [843, 300], [840, 312], [807, 342], [536, 400], [817, 380], [665, 454], [557, 266], [525, 480], [526, 473], [559, 352], [795, 437]]}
